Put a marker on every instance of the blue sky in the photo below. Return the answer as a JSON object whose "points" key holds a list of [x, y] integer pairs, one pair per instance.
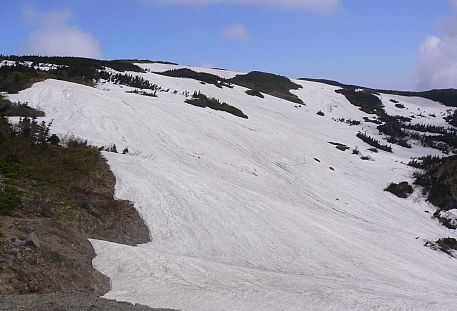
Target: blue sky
{"points": [[398, 44]]}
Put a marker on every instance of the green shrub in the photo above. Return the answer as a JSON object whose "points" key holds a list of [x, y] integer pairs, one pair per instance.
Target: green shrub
{"points": [[10, 198], [447, 245], [255, 93], [373, 142], [339, 146], [200, 100], [9, 165], [78, 63], [438, 179], [401, 190], [447, 97], [347, 121], [365, 100], [452, 118], [200, 76], [275, 85]]}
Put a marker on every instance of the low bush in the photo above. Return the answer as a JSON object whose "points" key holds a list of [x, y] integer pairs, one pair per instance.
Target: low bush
{"points": [[430, 128], [447, 97], [144, 93], [255, 93], [375, 121], [348, 121], [200, 100], [438, 177], [9, 109], [452, 118], [373, 142], [339, 146], [274, 85], [200, 76], [447, 245], [10, 198], [401, 190], [365, 100]]}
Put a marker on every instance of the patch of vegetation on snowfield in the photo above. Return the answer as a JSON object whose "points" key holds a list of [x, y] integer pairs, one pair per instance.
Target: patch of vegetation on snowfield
{"points": [[268, 83], [200, 100]]}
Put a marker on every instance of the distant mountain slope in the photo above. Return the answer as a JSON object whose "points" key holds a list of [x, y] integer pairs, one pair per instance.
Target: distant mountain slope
{"points": [[447, 97]]}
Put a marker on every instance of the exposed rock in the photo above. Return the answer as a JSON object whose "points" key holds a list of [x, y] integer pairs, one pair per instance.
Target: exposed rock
{"points": [[46, 209], [13, 251], [91, 209], [32, 240]]}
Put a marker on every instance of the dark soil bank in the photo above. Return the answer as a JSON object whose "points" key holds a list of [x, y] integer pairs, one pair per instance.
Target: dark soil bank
{"points": [[74, 301]]}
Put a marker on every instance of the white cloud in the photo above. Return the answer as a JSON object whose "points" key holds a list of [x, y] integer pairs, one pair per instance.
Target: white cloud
{"points": [[437, 60], [236, 32], [207, 64], [54, 35], [319, 6]]}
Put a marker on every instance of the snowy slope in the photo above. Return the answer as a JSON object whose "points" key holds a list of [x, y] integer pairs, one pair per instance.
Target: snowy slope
{"points": [[248, 214]]}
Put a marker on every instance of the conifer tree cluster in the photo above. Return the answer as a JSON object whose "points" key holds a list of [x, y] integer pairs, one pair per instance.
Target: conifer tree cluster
{"points": [[373, 142]]}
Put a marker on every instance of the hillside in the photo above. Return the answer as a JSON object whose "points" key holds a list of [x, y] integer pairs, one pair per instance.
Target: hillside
{"points": [[282, 210]]}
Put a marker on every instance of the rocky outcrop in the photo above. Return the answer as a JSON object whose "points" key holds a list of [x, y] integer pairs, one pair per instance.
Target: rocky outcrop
{"points": [[44, 245]]}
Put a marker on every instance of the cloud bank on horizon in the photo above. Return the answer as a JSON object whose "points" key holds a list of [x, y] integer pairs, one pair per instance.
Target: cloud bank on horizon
{"points": [[55, 35], [236, 32], [318, 6], [437, 60]]}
